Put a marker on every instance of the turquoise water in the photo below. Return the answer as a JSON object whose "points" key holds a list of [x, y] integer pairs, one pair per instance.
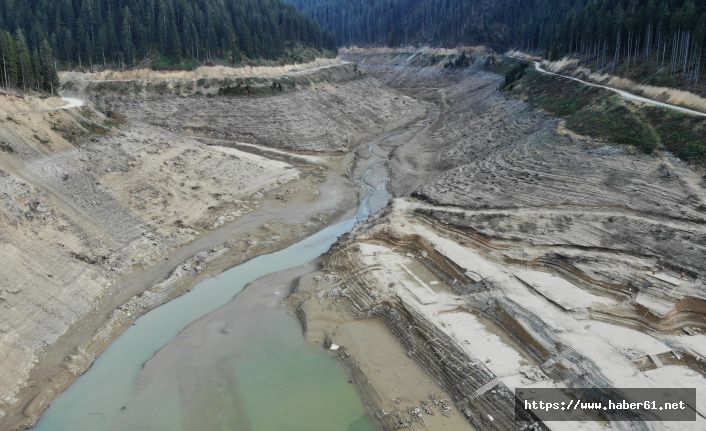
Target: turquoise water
{"points": [[273, 380]]}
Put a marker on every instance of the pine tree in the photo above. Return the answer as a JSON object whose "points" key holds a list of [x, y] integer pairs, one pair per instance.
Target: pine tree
{"points": [[8, 56], [47, 72], [24, 61], [128, 48], [113, 32]]}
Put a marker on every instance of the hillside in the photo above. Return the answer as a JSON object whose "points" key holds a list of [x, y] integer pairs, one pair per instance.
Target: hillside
{"points": [[124, 32], [656, 41]]}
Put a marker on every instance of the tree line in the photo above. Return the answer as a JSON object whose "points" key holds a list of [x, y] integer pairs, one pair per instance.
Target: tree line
{"points": [[666, 35], [26, 69], [402, 22], [121, 33]]}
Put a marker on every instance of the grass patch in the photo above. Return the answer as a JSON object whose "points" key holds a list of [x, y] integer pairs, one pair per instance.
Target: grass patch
{"points": [[513, 74], [612, 120], [164, 62], [558, 96], [684, 135], [604, 115]]}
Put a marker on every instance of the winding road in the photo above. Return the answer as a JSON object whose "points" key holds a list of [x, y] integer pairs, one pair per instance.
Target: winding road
{"points": [[625, 94]]}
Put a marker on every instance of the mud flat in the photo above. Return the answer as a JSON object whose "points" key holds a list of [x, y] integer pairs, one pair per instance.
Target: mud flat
{"points": [[517, 256], [243, 364], [399, 396], [513, 254], [109, 215]]}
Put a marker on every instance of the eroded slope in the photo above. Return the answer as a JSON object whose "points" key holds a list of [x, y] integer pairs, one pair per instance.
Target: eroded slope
{"points": [[113, 208], [527, 255]]}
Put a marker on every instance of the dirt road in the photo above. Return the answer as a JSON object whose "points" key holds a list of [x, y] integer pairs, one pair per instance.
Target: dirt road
{"points": [[624, 94]]}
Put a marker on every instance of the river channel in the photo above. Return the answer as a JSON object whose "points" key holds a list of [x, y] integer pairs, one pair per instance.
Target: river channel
{"points": [[226, 357]]}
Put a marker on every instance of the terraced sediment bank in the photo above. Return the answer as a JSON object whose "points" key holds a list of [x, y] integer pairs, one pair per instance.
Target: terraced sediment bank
{"points": [[110, 214], [516, 254], [513, 253], [203, 362]]}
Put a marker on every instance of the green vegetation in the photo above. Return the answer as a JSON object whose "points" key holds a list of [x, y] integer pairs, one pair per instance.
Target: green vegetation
{"points": [[26, 69], [500, 67], [601, 114], [683, 135], [613, 120], [513, 74], [461, 62], [558, 96], [666, 37], [165, 62], [171, 33]]}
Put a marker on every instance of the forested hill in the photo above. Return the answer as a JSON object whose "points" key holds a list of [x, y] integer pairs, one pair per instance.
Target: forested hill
{"points": [[123, 32], [437, 22], [655, 35]]}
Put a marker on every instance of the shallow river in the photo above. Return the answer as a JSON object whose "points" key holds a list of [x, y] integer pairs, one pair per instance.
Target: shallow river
{"points": [[222, 357]]}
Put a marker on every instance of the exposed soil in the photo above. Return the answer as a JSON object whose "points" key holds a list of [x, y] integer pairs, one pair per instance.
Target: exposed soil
{"points": [[109, 213], [520, 255], [515, 253]]}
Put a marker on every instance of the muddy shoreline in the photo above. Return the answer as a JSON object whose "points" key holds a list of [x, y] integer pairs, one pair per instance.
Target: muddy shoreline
{"points": [[62, 363], [58, 367], [403, 397]]}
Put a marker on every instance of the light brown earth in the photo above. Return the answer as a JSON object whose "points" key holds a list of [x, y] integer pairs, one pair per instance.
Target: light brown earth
{"points": [[518, 255], [514, 254], [107, 216]]}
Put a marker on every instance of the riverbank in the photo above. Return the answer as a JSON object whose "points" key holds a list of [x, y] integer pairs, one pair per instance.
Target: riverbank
{"points": [[399, 396], [366, 166], [133, 198], [322, 196]]}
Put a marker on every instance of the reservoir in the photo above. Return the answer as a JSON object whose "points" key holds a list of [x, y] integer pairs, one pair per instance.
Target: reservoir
{"points": [[223, 357]]}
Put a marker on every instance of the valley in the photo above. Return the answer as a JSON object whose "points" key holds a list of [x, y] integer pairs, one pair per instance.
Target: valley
{"points": [[493, 246], [528, 256]]}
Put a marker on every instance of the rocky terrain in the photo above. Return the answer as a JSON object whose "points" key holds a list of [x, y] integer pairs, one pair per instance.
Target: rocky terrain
{"points": [[519, 254], [112, 208]]}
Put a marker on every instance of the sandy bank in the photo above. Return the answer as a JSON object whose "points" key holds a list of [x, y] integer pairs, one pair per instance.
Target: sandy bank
{"points": [[403, 395], [280, 219]]}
